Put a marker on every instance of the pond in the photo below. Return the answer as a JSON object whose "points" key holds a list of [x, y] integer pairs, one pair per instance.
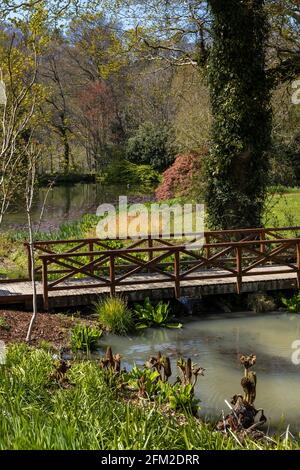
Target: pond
{"points": [[214, 342], [68, 203]]}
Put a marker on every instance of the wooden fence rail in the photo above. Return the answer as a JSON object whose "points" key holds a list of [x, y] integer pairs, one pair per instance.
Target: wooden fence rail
{"points": [[209, 237], [251, 253]]}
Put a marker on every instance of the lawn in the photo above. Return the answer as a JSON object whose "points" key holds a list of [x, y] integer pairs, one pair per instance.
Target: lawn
{"points": [[283, 209]]}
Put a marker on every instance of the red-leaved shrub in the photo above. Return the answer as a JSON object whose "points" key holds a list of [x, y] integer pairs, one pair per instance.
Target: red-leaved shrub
{"points": [[178, 179]]}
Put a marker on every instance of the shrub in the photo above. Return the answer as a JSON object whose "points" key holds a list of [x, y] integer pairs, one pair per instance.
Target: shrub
{"points": [[114, 315], [152, 144], [85, 337], [292, 304], [178, 180], [124, 172]]}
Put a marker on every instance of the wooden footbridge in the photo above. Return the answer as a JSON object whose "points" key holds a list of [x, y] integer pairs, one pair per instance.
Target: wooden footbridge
{"points": [[77, 272]]}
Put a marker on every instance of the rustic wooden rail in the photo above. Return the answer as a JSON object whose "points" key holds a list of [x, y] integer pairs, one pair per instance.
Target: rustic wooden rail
{"points": [[76, 272], [95, 244], [229, 254]]}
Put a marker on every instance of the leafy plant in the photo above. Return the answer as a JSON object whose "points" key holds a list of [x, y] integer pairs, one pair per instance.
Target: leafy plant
{"points": [[85, 337], [114, 315], [110, 365], [4, 325], [292, 304], [162, 365], [149, 316], [145, 381], [152, 383], [59, 373], [180, 397]]}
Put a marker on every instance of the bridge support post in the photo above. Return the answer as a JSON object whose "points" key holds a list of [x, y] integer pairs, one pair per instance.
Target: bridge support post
{"points": [[238, 269], [45, 284], [150, 245], [298, 264], [177, 274], [262, 237], [112, 276], [207, 249], [91, 249]]}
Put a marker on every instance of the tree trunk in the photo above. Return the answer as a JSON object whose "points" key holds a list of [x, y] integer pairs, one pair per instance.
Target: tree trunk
{"points": [[66, 152], [63, 130], [237, 166]]}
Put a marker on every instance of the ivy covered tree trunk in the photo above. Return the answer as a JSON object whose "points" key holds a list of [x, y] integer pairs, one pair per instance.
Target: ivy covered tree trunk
{"points": [[240, 97]]}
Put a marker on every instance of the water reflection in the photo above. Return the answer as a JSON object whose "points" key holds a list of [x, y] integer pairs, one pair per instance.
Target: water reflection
{"points": [[66, 203]]}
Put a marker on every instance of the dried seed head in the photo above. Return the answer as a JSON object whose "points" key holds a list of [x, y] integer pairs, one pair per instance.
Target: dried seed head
{"points": [[247, 361]]}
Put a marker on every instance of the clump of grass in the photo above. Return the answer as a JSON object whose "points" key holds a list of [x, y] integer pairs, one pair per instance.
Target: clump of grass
{"points": [[85, 337], [114, 315], [46, 345]]}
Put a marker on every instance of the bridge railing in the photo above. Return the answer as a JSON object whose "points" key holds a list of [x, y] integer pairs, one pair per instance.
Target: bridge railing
{"points": [[209, 237], [177, 265]]}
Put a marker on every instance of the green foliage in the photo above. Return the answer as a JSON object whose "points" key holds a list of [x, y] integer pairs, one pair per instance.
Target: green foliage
{"points": [[146, 381], [180, 397], [151, 145], [46, 345], [85, 337], [114, 315], [152, 383], [124, 172], [149, 384], [240, 100], [292, 304], [283, 166], [4, 325], [148, 316], [89, 415]]}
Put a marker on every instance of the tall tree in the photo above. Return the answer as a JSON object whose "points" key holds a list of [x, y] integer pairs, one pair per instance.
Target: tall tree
{"points": [[240, 99], [55, 74]]}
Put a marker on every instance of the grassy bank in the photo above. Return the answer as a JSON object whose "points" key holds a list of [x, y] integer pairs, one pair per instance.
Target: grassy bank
{"points": [[283, 209], [38, 413]]}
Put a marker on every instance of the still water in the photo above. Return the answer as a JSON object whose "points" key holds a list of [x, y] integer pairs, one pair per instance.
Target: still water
{"points": [[215, 342], [68, 203]]}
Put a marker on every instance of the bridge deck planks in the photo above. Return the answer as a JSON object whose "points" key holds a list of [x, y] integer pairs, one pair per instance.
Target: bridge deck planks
{"points": [[20, 292]]}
